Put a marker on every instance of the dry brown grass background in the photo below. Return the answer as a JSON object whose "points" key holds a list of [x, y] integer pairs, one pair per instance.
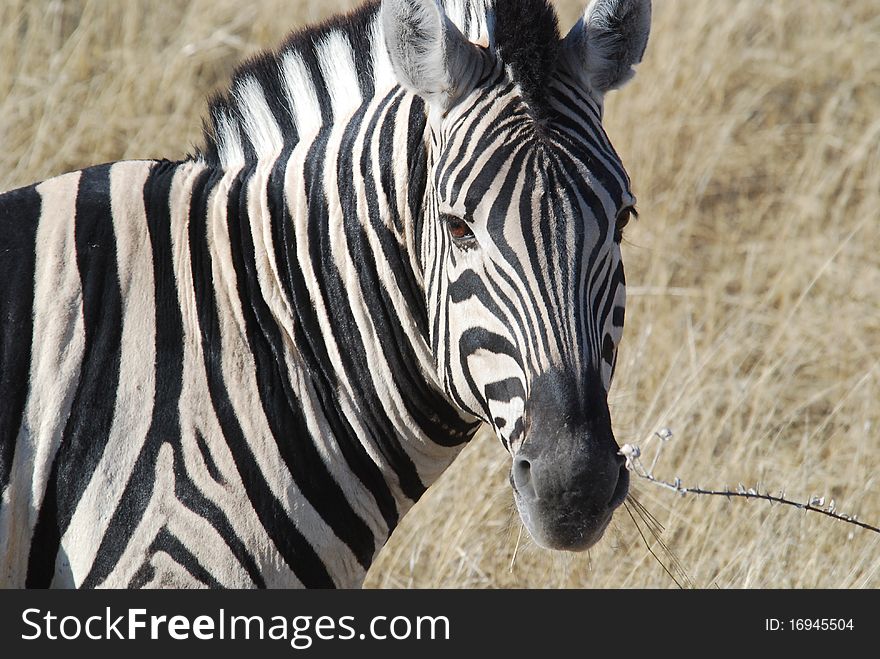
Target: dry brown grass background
{"points": [[752, 133]]}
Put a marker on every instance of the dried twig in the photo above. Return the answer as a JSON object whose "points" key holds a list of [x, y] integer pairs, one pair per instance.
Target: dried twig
{"points": [[632, 454]]}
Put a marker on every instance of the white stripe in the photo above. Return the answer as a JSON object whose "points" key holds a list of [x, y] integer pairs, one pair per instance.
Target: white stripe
{"points": [[197, 415], [162, 497], [156, 513], [239, 373], [384, 77], [298, 204], [336, 61], [301, 95], [456, 10], [206, 544], [260, 125], [135, 393], [273, 293], [428, 457], [478, 30], [229, 147]]}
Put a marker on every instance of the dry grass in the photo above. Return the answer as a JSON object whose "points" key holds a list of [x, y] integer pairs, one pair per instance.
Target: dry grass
{"points": [[752, 134]]}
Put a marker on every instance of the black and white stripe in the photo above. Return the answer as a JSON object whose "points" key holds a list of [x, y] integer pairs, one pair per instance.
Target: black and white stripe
{"points": [[242, 369]]}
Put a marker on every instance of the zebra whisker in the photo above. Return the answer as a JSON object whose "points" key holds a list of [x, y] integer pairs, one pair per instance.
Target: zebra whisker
{"points": [[655, 528]]}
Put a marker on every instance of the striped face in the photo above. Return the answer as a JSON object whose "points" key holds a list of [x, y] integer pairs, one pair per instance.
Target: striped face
{"points": [[525, 274], [525, 282], [526, 204]]}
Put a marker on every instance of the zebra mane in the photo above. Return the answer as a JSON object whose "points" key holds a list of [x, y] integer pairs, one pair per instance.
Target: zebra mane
{"points": [[328, 71], [526, 38], [278, 96]]}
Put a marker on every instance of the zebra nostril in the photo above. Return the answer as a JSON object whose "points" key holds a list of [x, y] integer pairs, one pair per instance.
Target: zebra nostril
{"points": [[522, 478]]}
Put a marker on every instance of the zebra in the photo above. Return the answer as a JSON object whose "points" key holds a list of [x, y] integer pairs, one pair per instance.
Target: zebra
{"points": [[241, 369]]}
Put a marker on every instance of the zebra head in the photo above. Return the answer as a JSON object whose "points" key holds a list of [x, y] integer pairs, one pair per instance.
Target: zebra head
{"points": [[525, 203]]}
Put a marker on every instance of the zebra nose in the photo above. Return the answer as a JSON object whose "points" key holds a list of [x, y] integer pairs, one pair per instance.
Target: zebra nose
{"points": [[522, 478], [581, 479]]}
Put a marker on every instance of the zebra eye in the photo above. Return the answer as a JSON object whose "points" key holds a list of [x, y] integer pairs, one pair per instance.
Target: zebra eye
{"points": [[623, 218], [458, 228]]}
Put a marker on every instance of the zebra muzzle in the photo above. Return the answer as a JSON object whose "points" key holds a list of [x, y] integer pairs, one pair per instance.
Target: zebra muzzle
{"points": [[567, 475]]}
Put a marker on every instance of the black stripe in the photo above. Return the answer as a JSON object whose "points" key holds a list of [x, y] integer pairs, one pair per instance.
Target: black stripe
{"points": [[477, 338], [19, 220], [498, 214], [210, 465], [358, 31], [144, 575], [309, 53], [608, 350], [165, 424], [386, 179], [583, 145], [488, 153], [91, 414], [573, 93], [184, 489], [584, 195], [449, 160], [506, 390], [600, 307], [265, 71], [610, 287], [575, 99], [382, 177], [191, 497], [289, 428], [555, 213], [359, 459], [417, 157], [471, 285]]}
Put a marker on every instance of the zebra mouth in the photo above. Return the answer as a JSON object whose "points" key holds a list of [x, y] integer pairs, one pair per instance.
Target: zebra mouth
{"points": [[567, 517], [562, 529]]}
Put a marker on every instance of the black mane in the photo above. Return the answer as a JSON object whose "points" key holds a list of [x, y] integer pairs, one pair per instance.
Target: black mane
{"points": [[526, 37]]}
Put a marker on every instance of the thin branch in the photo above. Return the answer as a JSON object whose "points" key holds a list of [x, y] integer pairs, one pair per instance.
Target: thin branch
{"points": [[815, 504]]}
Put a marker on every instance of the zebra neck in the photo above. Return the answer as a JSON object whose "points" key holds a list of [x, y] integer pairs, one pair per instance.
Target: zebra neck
{"points": [[323, 242], [348, 247]]}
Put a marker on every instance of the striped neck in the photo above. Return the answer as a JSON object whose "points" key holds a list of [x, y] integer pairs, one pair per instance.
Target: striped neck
{"points": [[325, 160], [327, 237]]}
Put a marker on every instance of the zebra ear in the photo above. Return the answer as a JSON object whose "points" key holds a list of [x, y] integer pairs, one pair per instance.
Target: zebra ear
{"points": [[429, 54], [608, 41]]}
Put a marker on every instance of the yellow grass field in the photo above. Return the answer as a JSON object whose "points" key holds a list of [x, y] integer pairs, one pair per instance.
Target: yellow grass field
{"points": [[752, 135]]}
